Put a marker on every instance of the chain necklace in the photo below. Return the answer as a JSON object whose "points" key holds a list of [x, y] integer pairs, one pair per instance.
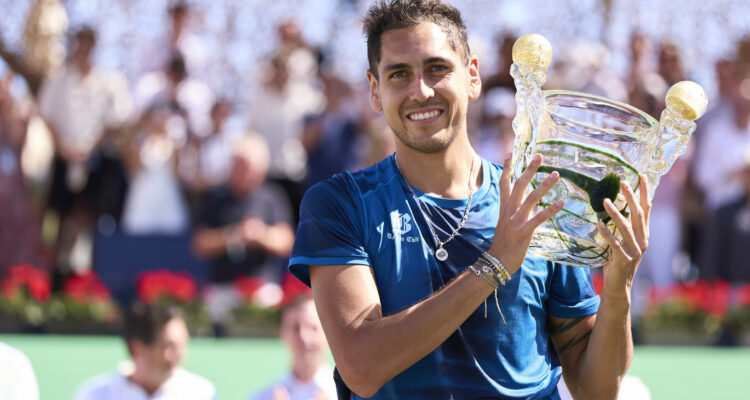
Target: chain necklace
{"points": [[441, 254]]}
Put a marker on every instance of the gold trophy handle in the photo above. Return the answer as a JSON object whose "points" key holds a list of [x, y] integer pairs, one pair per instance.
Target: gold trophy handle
{"points": [[532, 49], [686, 101]]}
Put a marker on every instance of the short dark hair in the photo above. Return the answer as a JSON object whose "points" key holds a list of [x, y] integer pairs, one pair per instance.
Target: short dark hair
{"points": [[143, 322], [85, 32], [397, 14]]}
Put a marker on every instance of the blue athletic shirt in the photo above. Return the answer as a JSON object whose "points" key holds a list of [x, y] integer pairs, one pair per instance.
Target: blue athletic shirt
{"points": [[371, 218]]}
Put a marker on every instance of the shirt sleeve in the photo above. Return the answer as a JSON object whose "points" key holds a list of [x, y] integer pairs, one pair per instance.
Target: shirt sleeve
{"points": [[330, 230], [572, 292]]}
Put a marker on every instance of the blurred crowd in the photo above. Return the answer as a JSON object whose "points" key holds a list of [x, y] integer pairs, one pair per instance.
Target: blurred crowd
{"points": [[167, 154]]}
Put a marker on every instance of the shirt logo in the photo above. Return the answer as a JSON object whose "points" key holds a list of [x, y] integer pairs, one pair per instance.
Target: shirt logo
{"points": [[401, 225]]}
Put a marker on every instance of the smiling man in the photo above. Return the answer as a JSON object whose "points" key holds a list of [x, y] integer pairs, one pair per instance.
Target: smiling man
{"points": [[403, 256]]}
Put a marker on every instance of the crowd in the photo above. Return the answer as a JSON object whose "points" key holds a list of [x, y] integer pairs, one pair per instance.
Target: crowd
{"points": [[164, 154]]}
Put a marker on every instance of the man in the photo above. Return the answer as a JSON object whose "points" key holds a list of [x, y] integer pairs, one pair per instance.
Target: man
{"points": [[401, 323], [244, 227], [302, 334], [17, 378], [82, 104], [157, 340]]}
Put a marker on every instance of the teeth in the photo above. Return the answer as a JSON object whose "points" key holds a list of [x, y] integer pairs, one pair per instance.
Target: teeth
{"points": [[423, 116]]}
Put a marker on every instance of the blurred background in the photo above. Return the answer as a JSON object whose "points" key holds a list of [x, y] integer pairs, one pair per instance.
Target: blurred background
{"points": [[158, 150]]}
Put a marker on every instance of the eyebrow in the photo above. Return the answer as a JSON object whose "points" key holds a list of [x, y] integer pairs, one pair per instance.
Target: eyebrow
{"points": [[431, 60]]}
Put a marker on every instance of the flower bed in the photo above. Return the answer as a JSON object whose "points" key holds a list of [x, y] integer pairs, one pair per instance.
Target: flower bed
{"points": [[691, 313]]}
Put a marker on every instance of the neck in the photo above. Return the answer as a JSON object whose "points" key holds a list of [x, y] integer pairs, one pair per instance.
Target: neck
{"points": [[81, 64], [146, 381], [304, 372], [443, 174]]}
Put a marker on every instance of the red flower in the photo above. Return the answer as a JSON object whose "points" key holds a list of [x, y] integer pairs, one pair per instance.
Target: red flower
{"points": [[293, 288], [153, 285], [34, 280], [742, 296], [86, 287], [246, 286], [697, 296]]}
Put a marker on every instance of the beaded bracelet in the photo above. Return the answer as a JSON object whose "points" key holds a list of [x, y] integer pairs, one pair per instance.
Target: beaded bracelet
{"points": [[496, 264], [489, 269], [479, 273]]}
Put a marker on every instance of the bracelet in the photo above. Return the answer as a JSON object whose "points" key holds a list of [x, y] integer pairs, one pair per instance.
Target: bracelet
{"points": [[490, 272], [496, 264], [478, 273], [489, 269]]}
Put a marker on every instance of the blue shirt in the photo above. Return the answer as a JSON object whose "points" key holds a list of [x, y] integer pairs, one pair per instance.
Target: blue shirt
{"points": [[371, 218]]}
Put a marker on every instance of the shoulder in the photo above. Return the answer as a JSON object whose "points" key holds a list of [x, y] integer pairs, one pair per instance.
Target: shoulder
{"points": [[350, 188], [99, 387], [267, 392], [198, 386]]}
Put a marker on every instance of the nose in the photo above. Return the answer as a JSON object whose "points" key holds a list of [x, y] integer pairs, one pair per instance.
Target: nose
{"points": [[420, 90]]}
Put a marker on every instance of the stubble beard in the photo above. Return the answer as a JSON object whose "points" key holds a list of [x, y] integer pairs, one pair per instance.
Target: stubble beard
{"points": [[438, 142]]}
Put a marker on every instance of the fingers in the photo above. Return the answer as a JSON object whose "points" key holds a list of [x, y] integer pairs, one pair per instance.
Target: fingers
{"points": [[505, 179], [534, 197], [626, 230], [520, 185], [637, 219], [644, 199], [610, 238], [544, 215]]}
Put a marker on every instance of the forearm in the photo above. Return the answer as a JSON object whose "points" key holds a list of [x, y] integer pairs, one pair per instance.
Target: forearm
{"points": [[210, 242], [371, 348], [278, 240], [607, 357]]}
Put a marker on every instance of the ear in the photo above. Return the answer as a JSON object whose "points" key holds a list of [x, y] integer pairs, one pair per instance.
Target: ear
{"points": [[374, 93], [475, 81], [135, 348]]}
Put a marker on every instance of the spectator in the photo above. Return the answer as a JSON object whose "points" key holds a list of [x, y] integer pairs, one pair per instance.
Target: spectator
{"points": [[329, 137], [81, 104], [310, 378], [727, 254], [17, 378], [277, 112], [154, 202], [501, 78], [20, 225], [721, 155], [157, 340], [496, 132], [244, 227], [180, 42], [215, 150]]}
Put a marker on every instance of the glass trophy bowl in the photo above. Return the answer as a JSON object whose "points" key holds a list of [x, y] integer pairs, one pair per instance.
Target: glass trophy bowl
{"points": [[594, 144]]}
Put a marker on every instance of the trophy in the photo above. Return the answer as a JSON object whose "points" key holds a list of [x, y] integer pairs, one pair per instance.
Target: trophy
{"points": [[594, 144]]}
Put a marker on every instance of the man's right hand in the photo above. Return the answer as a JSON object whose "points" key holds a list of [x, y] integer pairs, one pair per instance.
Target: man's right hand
{"points": [[516, 225]]}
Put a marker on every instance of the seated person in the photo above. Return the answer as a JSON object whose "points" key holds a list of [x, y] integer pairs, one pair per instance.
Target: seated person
{"points": [[17, 378], [310, 378], [244, 227], [157, 339]]}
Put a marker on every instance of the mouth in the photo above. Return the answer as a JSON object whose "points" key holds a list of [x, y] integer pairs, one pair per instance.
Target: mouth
{"points": [[424, 116]]}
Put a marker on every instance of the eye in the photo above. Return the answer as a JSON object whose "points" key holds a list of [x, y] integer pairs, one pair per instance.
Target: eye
{"points": [[398, 75], [437, 68]]}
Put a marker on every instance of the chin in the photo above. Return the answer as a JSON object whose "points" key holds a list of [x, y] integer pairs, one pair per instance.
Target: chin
{"points": [[435, 143]]}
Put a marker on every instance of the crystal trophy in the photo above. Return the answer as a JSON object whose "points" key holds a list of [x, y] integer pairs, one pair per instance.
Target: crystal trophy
{"points": [[593, 143]]}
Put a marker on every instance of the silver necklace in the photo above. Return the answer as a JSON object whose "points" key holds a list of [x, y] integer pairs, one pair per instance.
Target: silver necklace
{"points": [[441, 253]]}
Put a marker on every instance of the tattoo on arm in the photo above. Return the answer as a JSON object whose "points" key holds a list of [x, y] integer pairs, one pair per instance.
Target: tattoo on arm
{"points": [[557, 329], [574, 341]]}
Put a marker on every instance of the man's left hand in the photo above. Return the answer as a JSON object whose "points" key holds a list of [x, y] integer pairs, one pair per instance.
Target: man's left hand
{"points": [[627, 251]]}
